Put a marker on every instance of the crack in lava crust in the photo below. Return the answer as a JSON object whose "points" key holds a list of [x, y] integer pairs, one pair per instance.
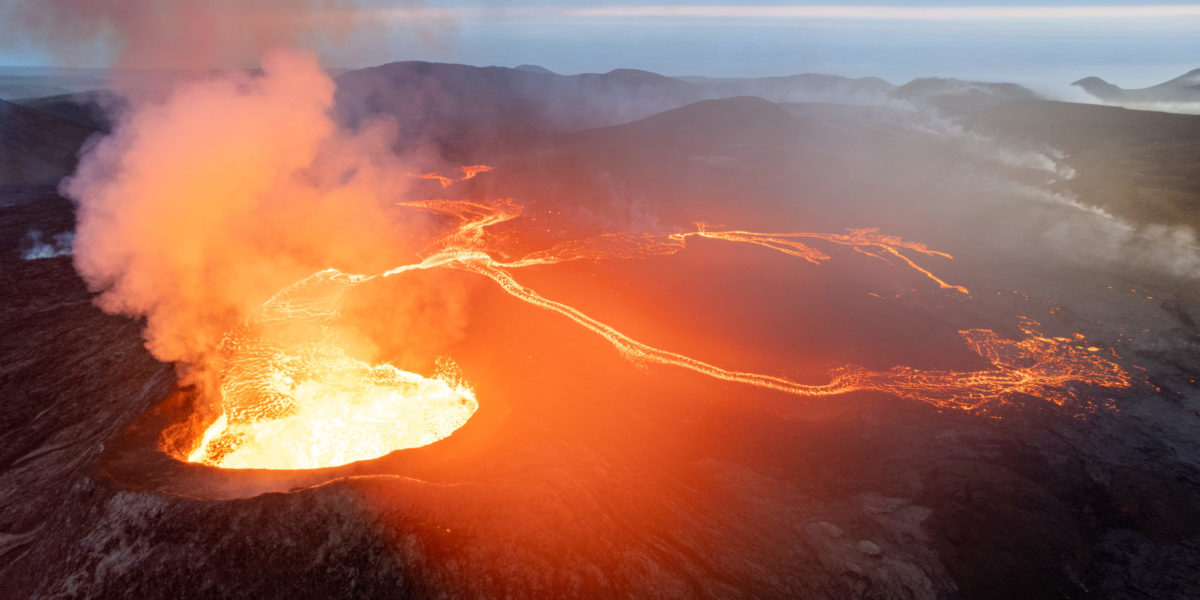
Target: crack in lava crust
{"points": [[293, 398]]}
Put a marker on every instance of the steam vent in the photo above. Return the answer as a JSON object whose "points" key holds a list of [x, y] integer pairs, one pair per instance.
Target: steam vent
{"points": [[711, 300]]}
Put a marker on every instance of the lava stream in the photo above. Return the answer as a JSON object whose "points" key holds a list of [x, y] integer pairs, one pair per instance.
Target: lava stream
{"points": [[293, 398]]}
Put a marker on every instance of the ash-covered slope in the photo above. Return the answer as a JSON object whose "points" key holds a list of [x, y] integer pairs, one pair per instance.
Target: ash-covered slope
{"points": [[36, 146], [1184, 89], [1139, 165]]}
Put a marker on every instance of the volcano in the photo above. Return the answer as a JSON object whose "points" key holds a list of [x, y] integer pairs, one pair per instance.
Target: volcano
{"points": [[704, 344]]}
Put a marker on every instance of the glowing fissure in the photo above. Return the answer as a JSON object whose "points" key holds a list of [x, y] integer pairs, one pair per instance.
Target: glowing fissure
{"points": [[293, 398], [862, 240], [468, 172]]}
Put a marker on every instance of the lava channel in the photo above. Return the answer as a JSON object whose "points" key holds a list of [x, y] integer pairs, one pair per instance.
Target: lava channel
{"points": [[293, 398]]}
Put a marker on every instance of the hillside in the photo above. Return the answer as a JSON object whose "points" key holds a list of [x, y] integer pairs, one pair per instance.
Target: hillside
{"points": [[1182, 89], [35, 146], [1136, 164]]}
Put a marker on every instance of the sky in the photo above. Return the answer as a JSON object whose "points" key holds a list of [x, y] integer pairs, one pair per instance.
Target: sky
{"points": [[1043, 45]]}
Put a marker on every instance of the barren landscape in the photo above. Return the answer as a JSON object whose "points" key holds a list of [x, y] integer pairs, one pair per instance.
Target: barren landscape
{"points": [[274, 328]]}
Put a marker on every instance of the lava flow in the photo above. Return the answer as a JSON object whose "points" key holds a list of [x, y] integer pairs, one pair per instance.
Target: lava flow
{"points": [[292, 397]]}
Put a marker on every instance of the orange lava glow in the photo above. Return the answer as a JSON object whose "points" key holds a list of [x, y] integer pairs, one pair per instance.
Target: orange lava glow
{"points": [[294, 398], [866, 241], [470, 171], [442, 179]]}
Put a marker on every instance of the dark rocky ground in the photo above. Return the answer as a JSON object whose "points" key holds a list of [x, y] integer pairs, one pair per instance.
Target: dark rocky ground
{"points": [[583, 475]]}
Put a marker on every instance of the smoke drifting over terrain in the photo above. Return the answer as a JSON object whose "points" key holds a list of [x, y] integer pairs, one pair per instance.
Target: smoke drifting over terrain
{"points": [[1030, 185], [194, 211], [36, 247]]}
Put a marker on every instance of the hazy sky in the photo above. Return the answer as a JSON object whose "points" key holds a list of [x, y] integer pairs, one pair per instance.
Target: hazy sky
{"points": [[1039, 44]]}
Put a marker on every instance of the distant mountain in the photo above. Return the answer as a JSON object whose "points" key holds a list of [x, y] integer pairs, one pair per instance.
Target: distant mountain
{"points": [[724, 123], [956, 96], [1182, 89], [429, 97], [1101, 89], [464, 104], [533, 69], [674, 165], [808, 87]]}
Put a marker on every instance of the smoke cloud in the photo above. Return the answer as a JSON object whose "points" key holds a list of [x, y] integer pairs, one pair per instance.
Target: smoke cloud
{"points": [[199, 34], [198, 208]]}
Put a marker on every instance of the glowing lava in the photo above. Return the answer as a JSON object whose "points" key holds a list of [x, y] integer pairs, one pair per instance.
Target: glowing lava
{"points": [[442, 179], [470, 171], [294, 398], [866, 241]]}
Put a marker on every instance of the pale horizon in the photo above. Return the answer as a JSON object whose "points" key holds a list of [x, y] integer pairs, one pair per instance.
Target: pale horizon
{"points": [[1044, 47]]}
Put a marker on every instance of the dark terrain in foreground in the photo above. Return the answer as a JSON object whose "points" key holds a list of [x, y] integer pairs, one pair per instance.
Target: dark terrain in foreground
{"points": [[583, 475]]}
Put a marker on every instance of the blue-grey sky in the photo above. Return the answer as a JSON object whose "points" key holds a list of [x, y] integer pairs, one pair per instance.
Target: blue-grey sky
{"points": [[1044, 45]]}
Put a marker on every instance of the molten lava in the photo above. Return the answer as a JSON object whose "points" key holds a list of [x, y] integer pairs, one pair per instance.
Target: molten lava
{"points": [[293, 397], [442, 179]]}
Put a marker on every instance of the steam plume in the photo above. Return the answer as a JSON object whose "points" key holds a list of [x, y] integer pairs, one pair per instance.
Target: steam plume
{"points": [[35, 246], [195, 210]]}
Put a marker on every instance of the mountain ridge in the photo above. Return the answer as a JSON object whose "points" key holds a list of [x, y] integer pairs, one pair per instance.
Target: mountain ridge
{"points": [[1182, 89]]}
